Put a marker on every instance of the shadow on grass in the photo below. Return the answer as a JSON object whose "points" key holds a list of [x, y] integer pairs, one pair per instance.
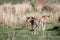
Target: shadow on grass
{"points": [[18, 28], [55, 28]]}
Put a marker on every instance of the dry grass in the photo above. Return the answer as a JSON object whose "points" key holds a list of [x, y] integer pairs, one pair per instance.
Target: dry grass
{"points": [[11, 14]]}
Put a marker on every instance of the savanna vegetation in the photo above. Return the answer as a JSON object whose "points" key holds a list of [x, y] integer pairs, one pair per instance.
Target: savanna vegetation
{"points": [[13, 15]]}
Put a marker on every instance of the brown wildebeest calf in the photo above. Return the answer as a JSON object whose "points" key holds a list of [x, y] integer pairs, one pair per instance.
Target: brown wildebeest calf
{"points": [[43, 20]]}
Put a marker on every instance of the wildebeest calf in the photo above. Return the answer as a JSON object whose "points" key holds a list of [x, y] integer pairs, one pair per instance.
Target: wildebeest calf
{"points": [[43, 20], [33, 22]]}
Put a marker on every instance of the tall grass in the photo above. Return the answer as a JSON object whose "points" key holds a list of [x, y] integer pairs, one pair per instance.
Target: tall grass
{"points": [[11, 14]]}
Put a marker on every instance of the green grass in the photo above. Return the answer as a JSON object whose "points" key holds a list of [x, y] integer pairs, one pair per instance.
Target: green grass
{"points": [[1, 32], [14, 1], [25, 34], [10, 1]]}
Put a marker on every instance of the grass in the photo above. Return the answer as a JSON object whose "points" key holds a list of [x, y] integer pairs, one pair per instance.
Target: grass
{"points": [[25, 34], [1, 32], [16, 33]]}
